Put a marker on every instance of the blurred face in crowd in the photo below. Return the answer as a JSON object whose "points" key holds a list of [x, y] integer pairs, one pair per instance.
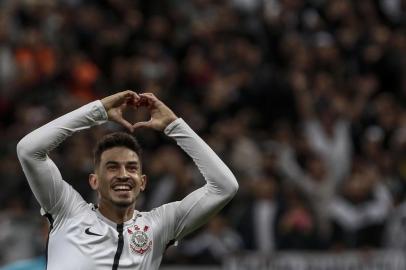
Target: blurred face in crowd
{"points": [[316, 168], [118, 177], [265, 188], [361, 183]]}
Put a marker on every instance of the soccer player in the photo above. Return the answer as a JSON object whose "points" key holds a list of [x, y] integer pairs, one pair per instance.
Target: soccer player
{"points": [[113, 234]]}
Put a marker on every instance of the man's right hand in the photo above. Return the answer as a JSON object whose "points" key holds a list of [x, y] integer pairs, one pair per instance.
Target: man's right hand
{"points": [[117, 103]]}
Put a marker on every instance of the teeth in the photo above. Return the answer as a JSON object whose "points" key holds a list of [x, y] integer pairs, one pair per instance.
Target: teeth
{"points": [[122, 187]]}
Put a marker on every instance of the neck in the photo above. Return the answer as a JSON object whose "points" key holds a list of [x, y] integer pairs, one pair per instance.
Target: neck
{"points": [[117, 214]]}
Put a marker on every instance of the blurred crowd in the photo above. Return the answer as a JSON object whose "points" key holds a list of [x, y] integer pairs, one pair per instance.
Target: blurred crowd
{"points": [[304, 100]]}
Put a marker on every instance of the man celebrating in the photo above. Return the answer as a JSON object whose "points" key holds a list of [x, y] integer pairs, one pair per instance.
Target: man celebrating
{"points": [[113, 234]]}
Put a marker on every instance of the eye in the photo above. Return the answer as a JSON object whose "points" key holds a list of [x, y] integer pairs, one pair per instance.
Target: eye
{"points": [[112, 167], [132, 169]]}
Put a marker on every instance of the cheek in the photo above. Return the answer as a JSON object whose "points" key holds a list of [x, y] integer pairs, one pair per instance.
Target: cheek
{"points": [[137, 179], [104, 183]]}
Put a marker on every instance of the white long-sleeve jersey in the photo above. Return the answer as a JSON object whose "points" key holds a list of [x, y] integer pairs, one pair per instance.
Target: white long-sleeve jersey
{"points": [[81, 237]]}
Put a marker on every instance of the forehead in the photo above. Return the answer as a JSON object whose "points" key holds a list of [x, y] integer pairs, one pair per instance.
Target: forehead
{"points": [[119, 154]]}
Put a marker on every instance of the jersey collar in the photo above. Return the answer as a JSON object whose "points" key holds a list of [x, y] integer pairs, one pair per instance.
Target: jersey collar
{"points": [[112, 223]]}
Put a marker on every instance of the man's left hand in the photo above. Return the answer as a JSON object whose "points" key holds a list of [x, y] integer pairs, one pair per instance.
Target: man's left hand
{"points": [[161, 115]]}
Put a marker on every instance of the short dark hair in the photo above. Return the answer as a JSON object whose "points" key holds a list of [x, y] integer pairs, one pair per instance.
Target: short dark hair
{"points": [[116, 139]]}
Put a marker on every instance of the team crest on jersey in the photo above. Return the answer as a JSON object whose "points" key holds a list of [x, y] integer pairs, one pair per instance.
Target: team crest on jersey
{"points": [[139, 239]]}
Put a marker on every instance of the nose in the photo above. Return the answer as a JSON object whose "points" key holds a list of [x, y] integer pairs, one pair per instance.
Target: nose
{"points": [[123, 173]]}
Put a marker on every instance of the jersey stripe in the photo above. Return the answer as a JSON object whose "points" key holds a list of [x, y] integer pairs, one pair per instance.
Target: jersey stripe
{"points": [[119, 246], [51, 223]]}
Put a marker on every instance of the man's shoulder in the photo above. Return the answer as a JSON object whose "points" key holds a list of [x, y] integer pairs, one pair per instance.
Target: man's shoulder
{"points": [[164, 210]]}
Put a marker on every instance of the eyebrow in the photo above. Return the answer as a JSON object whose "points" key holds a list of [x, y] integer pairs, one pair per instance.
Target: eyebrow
{"points": [[112, 162]]}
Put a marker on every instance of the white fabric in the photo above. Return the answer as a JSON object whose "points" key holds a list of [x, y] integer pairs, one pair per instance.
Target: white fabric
{"points": [[335, 150], [395, 228], [264, 217], [69, 246], [355, 217], [319, 193]]}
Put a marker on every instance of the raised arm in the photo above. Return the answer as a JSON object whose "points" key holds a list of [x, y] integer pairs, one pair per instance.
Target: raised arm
{"points": [[42, 174], [221, 185]]}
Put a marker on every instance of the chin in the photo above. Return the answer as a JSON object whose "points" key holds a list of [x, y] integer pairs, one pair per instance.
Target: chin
{"points": [[123, 203]]}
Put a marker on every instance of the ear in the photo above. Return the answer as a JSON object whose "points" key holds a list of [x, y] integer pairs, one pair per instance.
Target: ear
{"points": [[93, 181], [143, 182]]}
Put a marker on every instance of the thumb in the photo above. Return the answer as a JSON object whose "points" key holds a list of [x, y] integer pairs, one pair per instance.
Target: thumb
{"points": [[145, 124], [125, 123]]}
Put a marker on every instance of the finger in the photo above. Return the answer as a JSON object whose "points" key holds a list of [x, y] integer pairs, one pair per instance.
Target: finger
{"points": [[119, 98], [135, 95], [150, 98], [145, 101], [131, 101], [148, 95], [141, 102], [131, 95], [145, 124], [130, 92]]}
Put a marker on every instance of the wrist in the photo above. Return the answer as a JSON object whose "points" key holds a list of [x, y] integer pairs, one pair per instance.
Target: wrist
{"points": [[172, 125], [169, 121], [104, 102]]}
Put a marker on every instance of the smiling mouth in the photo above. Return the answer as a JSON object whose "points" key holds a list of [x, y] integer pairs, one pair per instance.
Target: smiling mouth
{"points": [[122, 188]]}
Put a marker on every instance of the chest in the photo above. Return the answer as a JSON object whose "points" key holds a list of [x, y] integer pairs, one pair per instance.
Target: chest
{"points": [[93, 242]]}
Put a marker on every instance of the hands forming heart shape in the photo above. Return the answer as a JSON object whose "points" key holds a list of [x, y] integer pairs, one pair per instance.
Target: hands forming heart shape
{"points": [[116, 104]]}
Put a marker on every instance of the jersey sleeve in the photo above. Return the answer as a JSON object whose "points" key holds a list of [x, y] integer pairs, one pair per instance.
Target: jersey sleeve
{"points": [[221, 186], [55, 196]]}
